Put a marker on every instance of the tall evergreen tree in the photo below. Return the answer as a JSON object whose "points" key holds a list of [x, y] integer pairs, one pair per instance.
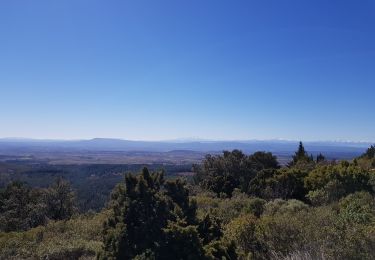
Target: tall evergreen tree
{"points": [[320, 158], [300, 156]]}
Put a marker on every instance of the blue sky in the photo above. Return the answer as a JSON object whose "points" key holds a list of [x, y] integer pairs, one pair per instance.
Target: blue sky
{"points": [[155, 70]]}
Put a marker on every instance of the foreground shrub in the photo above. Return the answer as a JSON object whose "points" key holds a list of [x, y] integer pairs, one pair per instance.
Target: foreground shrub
{"points": [[320, 233], [71, 239], [242, 231], [229, 208], [153, 218]]}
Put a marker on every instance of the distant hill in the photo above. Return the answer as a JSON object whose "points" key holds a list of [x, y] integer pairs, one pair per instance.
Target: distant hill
{"points": [[333, 150]]}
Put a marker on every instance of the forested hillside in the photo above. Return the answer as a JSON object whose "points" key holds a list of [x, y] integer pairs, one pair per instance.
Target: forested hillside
{"points": [[236, 206], [92, 183]]}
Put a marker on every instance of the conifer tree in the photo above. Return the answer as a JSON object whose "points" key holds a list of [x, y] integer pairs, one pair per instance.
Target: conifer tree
{"points": [[300, 156], [320, 158]]}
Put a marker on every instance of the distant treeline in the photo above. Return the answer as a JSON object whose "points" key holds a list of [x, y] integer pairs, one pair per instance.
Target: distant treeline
{"points": [[92, 183]]}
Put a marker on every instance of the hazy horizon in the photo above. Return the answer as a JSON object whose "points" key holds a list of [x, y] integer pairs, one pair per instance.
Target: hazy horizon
{"points": [[185, 140]]}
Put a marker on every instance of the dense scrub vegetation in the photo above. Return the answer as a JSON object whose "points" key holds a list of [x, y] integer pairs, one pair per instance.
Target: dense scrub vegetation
{"points": [[237, 207], [77, 238], [23, 208], [155, 219]]}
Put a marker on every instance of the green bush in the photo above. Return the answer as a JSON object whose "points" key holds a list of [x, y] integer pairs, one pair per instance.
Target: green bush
{"points": [[71, 239], [229, 208]]}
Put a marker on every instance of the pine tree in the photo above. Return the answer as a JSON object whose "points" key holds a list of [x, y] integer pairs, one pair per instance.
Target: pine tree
{"points": [[320, 158], [300, 156]]}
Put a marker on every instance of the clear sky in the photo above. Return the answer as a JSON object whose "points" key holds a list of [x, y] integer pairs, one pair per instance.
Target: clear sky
{"points": [[154, 70]]}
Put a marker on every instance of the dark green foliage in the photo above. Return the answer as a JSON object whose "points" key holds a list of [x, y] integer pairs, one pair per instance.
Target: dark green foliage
{"points": [[286, 183], [320, 158], [220, 174], [179, 194], [92, 183], [21, 208], [289, 184], [210, 229], [148, 255], [263, 160], [300, 156], [181, 242], [261, 185], [138, 209], [221, 250], [223, 174], [370, 153], [151, 216], [60, 200]]}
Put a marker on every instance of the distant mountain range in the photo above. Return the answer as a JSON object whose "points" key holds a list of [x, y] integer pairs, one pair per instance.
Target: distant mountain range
{"points": [[333, 149]]}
